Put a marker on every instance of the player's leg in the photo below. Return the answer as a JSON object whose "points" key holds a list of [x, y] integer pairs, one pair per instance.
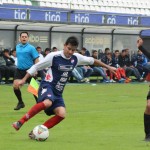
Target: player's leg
{"points": [[147, 119], [17, 92], [58, 110], [19, 74], [122, 72], [117, 75], [60, 113], [45, 100], [32, 112]]}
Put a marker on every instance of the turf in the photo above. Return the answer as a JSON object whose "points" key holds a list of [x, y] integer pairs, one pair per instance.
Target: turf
{"points": [[99, 117]]}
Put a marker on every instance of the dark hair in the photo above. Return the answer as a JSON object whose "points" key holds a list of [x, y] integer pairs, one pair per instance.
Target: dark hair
{"points": [[54, 48], [47, 49], [38, 47], [72, 40], [124, 50], [116, 51], [13, 50], [24, 32], [94, 51], [107, 49], [83, 48], [6, 50]]}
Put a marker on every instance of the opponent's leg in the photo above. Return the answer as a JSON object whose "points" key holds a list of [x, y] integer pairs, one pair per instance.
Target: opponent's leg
{"points": [[147, 119]]}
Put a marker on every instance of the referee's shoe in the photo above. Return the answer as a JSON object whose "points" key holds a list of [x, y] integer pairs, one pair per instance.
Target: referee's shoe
{"points": [[19, 106]]}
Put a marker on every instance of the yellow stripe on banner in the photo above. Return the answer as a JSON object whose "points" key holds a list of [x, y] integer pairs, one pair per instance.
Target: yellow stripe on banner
{"points": [[34, 84]]}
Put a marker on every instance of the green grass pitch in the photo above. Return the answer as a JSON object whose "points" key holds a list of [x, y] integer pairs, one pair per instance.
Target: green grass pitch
{"points": [[100, 117]]}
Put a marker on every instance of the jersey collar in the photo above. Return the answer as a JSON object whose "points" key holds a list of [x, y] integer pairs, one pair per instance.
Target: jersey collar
{"points": [[23, 45], [62, 54]]}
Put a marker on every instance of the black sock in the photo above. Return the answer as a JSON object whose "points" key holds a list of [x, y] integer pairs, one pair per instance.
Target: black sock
{"points": [[147, 124], [18, 95]]}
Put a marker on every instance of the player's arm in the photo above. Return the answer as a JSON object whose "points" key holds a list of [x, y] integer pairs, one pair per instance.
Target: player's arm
{"points": [[100, 63], [83, 60], [35, 54], [36, 60], [140, 47]]}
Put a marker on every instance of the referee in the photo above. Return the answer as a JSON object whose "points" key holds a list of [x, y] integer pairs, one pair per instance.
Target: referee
{"points": [[26, 57]]}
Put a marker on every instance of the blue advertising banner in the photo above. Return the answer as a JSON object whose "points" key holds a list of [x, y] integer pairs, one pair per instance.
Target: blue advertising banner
{"points": [[54, 16], [86, 18], [121, 20], [13, 13], [65, 16], [6, 13], [145, 21]]}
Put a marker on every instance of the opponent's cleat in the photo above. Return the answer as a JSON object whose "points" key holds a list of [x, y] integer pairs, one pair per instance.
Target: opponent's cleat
{"points": [[31, 135], [19, 106], [147, 138], [17, 125]]}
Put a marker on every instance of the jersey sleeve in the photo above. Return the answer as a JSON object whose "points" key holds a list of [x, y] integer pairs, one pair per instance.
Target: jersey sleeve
{"points": [[84, 60], [44, 63], [34, 53]]}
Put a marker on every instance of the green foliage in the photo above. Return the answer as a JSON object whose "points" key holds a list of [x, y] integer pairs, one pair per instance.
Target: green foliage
{"points": [[100, 117]]}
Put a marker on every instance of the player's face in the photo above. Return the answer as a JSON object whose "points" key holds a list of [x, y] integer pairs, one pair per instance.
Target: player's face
{"points": [[24, 38], [117, 54], [95, 54], [69, 50]]}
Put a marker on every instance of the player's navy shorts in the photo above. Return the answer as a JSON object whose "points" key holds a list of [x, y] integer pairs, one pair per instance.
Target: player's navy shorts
{"points": [[19, 74], [46, 92]]}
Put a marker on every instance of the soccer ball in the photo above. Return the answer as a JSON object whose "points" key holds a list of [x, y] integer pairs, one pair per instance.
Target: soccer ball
{"points": [[41, 133]]}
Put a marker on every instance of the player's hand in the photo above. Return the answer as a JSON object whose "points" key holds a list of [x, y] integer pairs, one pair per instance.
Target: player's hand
{"points": [[21, 83], [139, 42], [112, 69], [18, 83], [35, 74]]}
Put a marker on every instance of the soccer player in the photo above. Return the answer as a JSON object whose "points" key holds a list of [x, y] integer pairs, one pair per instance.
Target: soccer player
{"points": [[147, 110], [26, 57], [50, 98]]}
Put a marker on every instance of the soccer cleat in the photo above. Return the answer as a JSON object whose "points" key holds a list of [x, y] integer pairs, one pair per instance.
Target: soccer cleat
{"points": [[128, 80], [121, 80], [19, 106], [17, 125], [112, 81], [106, 81], [31, 135], [147, 138]]}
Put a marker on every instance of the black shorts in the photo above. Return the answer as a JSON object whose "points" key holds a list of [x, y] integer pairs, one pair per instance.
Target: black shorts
{"points": [[19, 74]]}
